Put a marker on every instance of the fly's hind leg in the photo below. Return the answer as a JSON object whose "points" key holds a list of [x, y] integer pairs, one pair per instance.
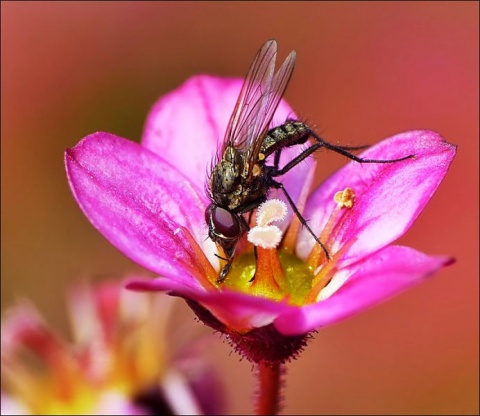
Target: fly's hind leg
{"points": [[345, 151], [337, 149]]}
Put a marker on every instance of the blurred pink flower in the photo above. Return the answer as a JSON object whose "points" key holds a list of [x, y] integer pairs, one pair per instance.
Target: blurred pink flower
{"points": [[120, 362], [149, 201]]}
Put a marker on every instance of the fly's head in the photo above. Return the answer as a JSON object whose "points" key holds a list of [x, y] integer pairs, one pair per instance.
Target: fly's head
{"points": [[225, 228]]}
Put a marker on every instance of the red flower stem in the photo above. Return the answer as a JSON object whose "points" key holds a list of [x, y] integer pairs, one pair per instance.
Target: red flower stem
{"points": [[268, 399]]}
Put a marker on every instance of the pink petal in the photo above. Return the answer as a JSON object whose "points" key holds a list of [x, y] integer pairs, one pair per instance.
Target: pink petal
{"points": [[138, 201], [205, 384], [389, 197], [23, 325], [238, 311], [117, 403], [160, 284], [94, 310], [187, 126], [13, 406], [376, 279]]}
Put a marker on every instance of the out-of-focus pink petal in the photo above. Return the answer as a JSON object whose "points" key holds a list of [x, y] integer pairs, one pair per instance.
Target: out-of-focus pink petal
{"points": [[376, 279], [94, 312], [388, 197], [206, 385], [237, 310], [178, 393], [12, 406], [187, 126], [138, 201], [116, 403], [23, 326]]}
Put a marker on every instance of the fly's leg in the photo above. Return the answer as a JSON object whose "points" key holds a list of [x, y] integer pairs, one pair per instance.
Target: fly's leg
{"points": [[256, 258], [338, 149], [228, 247], [295, 161], [303, 221], [345, 151], [226, 269], [223, 274], [354, 148]]}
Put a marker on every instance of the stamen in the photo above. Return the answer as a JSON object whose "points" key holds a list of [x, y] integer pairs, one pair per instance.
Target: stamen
{"points": [[317, 254], [268, 236], [345, 198], [265, 235], [269, 280], [325, 275], [321, 280], [270, 211]]}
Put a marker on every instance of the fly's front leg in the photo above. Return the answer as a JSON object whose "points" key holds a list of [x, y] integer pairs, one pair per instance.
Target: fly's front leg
{"points": [[228, 265], [228, 247], [256, 258]]}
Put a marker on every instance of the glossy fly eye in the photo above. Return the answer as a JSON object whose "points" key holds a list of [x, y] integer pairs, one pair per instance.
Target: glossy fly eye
{"points": [[224, 223]]}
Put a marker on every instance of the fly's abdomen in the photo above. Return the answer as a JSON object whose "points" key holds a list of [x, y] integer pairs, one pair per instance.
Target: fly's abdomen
{"points": [[288, 134]]}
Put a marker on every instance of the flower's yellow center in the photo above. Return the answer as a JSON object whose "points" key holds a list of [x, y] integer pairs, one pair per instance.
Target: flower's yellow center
{"points": [[279, 274], [288, 276]]}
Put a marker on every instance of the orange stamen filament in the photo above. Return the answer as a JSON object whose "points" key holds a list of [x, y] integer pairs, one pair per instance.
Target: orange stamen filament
{"points": [[269, 280], [344, 199], [325, 274], [317, 254]]}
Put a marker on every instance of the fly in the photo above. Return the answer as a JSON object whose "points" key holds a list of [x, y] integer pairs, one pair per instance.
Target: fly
{"points": [[241, 176]]}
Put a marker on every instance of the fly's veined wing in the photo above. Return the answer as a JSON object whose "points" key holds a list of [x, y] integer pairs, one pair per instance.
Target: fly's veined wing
{"points": [[269, 104], [258, 99], [254, 92]]}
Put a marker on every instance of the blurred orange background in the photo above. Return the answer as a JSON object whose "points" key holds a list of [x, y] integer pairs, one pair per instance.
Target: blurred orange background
{"points": [[365, 70]]}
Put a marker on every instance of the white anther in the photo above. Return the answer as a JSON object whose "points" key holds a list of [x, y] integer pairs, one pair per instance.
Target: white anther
{"points": [[270, 211], [268, 236], [265, 235]]}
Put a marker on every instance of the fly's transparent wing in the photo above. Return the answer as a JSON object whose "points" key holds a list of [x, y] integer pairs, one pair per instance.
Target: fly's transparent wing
{"points": [[267, 106], [257, 82], [259, 97]]}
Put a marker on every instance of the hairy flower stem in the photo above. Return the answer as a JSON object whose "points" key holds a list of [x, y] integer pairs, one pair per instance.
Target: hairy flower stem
{"points": [[268, 395]]}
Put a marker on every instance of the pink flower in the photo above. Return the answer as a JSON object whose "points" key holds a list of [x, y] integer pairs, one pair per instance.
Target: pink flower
{"points": [[119, 363], [149, 201]]}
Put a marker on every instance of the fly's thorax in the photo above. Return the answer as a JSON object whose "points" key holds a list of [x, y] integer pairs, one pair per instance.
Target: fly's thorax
{"points": [[235, 184], [246, 196], [227, 173]]}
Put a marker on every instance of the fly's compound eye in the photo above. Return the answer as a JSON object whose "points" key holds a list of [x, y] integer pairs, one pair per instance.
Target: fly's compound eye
{"points": [[223, 223]]}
